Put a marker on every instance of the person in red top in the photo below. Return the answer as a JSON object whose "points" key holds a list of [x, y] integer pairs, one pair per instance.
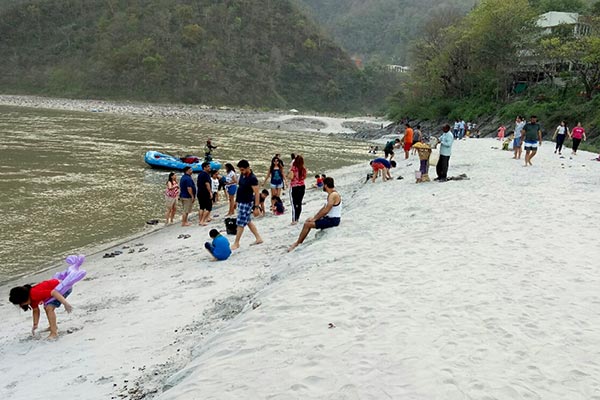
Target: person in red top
{"points": [[28, 297], [577, 134], [408, 140]]}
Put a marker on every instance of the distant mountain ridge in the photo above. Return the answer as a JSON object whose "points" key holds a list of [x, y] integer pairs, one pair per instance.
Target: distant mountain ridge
{"points": [[239, 52], [379, 29]]}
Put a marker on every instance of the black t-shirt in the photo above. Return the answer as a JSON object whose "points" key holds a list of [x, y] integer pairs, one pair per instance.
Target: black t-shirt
{"points": [[203, 179], [245, 194]]}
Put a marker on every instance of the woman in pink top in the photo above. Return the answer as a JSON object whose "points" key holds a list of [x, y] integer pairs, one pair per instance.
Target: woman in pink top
{"points": [[501, 132], [577, 134], [297, 175], [171, 195]]}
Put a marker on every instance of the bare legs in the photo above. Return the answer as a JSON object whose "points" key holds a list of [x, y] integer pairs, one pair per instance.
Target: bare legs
{"points": [[529, 154], [170, 215], [308, 225], [51, 315], [240, 231], [231, 206], [203, 217]]}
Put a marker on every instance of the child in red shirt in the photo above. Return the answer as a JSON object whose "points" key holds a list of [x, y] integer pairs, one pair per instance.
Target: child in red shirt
{"points": [[30, 297]]}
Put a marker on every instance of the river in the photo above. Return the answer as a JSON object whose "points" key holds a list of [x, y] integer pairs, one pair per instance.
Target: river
{"points": [[75, 180]]}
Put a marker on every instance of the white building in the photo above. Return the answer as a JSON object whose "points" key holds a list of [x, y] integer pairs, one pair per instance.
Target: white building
{"points": [[552, 20]]}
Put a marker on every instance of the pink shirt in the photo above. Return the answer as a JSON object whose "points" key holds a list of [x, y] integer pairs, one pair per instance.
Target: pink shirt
{"points": [[296, 181], [577, 132]]}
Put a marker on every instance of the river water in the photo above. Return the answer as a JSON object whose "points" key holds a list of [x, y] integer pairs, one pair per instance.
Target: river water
{"points": [[73, 180]]}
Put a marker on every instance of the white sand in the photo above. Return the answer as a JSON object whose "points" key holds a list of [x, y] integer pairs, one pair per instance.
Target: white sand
{"points": [[479, 289]]}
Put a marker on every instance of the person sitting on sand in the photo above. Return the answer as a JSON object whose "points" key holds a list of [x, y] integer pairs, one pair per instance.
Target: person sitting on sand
{"points": [[263, 197], [277, 206], [28, 296], [219, 248], [327, 217], [318, 182], [383, 165]]}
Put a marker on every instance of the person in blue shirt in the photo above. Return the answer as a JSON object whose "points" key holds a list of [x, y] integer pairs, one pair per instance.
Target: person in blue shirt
{"points": [[446, 141], [187, 194], [219, 248]]}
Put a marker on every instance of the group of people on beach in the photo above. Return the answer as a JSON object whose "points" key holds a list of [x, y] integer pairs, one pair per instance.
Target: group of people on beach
{"points": [[420, 143], [528, 135], [247, 200]]}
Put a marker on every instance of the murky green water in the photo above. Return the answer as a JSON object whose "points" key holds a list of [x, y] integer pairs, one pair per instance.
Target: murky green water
{"points": [[71, 180]]}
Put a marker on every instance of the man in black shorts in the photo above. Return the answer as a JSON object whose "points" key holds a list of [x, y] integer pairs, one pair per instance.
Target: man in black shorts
{"points": [[389, 148], [328, 216], [204, 186]]}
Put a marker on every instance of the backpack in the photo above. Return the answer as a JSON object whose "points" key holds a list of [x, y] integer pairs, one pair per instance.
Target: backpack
{"points": [[230, 226]]}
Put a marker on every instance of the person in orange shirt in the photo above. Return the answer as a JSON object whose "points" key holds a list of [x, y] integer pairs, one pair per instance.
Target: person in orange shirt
{"points": [[408, 140]]}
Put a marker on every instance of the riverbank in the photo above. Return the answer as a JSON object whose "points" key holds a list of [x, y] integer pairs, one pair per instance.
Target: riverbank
{"points": [[411, 297], [281, 120]]}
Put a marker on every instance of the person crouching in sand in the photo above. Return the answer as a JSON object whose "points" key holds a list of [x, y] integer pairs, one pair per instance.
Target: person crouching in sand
{"points": [[28, 296], [219, 248], [328, 216]]}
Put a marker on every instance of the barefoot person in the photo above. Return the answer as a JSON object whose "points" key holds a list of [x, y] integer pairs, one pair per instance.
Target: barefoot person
{"points": [[276, 175], [187, 194], [383, 165], [219, 248], [248, 200], [31, 297], [560, 133], [518, 139], [205, 195], [533, 138], [230, 187], [296, 176], [446, 141], [171, 195], [408, 140], [327, 217]]}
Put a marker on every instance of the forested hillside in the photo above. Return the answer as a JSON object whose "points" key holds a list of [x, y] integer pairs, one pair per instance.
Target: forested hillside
{"points": [[240, 52], [380, 29]]}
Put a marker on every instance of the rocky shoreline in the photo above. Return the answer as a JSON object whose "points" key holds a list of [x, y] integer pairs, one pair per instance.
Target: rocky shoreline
{"points": [[358, 127]]}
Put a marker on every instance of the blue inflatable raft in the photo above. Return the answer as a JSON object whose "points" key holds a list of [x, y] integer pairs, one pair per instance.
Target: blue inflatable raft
{"points": [[156, 159]]}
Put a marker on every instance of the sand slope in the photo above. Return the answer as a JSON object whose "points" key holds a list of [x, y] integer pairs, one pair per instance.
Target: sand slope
{"points": [[478, 289]]}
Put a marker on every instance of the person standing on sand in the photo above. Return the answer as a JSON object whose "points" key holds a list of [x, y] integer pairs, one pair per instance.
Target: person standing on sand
{"points": [[230, 187], [560, 134], [171, 195], [501, 132], [577, 134], [187, 194], [517, 141], [328, 216], [204, 194], [446, 141], [277, 176], [296, 176], [248, 200], [533, 138], [408, 140]]}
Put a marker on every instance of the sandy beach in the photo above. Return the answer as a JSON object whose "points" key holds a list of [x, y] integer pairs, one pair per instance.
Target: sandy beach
{"points": [[285, 120], [485, 288]]}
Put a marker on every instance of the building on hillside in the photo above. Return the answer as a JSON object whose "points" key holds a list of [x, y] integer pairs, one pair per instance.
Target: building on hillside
{"points": [[551, 21], [534, 68], [398, 68]]}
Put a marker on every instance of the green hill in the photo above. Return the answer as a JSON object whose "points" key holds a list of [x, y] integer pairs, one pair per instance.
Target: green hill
{"points": [[380, 29], [239, 52]]}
